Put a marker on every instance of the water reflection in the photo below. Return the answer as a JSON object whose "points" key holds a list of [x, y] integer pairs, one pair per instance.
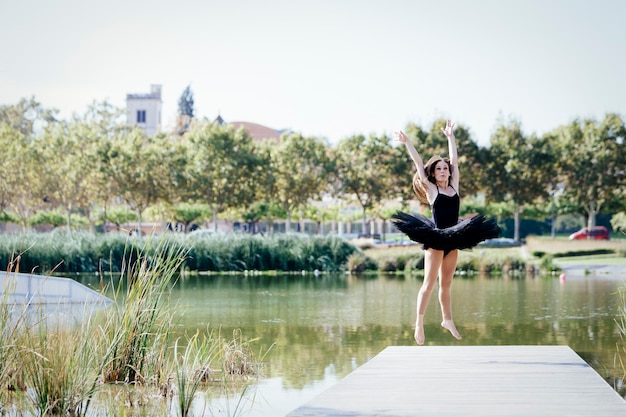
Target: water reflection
{"points": [[322, 328]]}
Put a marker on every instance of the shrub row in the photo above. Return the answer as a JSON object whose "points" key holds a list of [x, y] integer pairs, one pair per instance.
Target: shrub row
{"points": [[86, 252]]}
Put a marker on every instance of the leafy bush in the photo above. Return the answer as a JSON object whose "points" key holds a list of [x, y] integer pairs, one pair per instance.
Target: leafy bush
{"points": [[392, 264], [359, 262], [618, 223], [52, 218]]}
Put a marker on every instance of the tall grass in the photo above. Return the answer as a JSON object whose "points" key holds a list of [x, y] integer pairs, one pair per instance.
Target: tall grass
{"points": [[77, 251], [280, 252], [211, 362], [64, 251], [193, 368], [140, 329], [66, 361], [62, 361]]}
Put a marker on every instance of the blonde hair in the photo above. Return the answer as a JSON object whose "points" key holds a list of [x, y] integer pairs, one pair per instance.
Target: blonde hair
{"points": [[419, 187]]}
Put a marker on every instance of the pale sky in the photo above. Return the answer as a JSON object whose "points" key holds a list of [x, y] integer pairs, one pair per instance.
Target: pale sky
{"points": [[326, 68]]}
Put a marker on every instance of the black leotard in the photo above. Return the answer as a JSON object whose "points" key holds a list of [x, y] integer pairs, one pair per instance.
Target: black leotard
{"points": [[445, 209]]}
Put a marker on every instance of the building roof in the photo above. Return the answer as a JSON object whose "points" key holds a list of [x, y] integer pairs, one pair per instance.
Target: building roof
{"points": [[257, 131]]}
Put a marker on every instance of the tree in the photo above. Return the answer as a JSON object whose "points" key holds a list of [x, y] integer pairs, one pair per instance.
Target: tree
{"points": [[20, 185], [47, 217], [187, 213], [363, 169], [13, 143], [255, 212], [300, 167], [29, 194], [66, 156], [521, 170], [139, 168], [592, 164], [222, 170], [264, 189], [185, 111], [320, 214], [27, 116], [104, 123], [386, 212], [118, 215], [105, 119]]}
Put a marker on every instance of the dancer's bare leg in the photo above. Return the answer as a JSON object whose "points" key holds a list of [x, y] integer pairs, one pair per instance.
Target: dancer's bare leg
{"points": [[446, 273], [432, 262]]}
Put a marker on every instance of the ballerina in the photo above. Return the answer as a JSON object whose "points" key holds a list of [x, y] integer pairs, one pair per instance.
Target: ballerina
{"points": [[437, 183]]}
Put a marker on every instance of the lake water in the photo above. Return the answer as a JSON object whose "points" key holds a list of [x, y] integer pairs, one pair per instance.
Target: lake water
{"points": [[322, 328]]}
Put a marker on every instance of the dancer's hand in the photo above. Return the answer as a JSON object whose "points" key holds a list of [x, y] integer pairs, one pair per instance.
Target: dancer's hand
{"points": [[400, 136], [448, 130]]}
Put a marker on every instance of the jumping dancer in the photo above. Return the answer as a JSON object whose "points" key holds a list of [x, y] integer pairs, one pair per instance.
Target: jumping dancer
{"points": [[437, 183]]}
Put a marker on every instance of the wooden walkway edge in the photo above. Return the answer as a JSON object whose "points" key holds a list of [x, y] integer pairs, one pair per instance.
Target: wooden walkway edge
{"points": [[470, 381]]}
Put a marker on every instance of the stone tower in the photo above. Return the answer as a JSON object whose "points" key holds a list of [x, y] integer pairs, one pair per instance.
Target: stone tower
{"points": [[144, 110]]}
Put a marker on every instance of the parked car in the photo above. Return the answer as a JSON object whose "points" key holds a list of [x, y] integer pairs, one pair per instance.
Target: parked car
{"points": [[597, 233]]}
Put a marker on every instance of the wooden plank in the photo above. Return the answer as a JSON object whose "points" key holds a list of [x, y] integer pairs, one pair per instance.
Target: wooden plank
{"points": [[470, 381]]}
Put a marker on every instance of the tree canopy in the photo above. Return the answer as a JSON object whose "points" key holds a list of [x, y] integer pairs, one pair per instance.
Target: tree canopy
{"points": [[94, 161]]}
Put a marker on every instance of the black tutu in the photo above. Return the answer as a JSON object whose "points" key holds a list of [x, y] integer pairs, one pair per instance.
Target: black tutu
{"points": [[464, 235]]}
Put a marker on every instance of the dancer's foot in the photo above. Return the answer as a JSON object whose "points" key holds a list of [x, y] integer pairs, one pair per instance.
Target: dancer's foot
{"points": [[449, 324], [419, 333]]}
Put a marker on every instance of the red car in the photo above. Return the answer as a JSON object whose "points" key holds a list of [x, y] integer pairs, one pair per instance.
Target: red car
{"points": [[597, 233]]}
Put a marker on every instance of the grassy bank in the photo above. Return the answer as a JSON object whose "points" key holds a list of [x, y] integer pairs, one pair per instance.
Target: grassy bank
{"points": [[538, 254]]}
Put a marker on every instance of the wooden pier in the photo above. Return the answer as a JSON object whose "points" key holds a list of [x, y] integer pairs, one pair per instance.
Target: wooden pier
{"points": [[469, 381]]}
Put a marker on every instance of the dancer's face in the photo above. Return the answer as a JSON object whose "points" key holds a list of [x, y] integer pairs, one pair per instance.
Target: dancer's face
{"points": [[442, 171]]}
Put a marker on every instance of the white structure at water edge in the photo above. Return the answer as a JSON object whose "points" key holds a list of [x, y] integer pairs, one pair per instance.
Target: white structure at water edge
{"points": [[29, 289]]}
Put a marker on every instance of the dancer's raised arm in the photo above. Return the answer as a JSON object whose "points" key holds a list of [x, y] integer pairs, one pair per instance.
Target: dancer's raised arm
{"points": [[453, 155], [417, 159]]}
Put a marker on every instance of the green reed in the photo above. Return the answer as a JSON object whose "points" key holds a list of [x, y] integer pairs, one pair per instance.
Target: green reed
{"points": [[78, 251], [279, 252], [193, 368], [62, 359], [143, 320], [209, 362], [63, 251]]}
